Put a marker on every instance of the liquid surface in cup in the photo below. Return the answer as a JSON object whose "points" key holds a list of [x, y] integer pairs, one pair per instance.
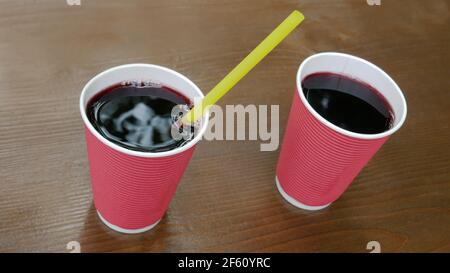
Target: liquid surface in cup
{"points": [[348, 103], [137, 116]]}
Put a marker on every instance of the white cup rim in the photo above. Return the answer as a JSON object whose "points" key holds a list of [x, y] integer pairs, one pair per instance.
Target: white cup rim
{"points": [[121, 149], [338, 129]]}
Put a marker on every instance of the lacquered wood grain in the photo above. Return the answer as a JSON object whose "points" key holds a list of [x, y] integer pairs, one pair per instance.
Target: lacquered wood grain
{"points": [[227, 200]]}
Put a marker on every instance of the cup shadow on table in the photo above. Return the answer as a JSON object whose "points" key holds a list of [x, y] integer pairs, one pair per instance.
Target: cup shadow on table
{"points": [[97, 237]]}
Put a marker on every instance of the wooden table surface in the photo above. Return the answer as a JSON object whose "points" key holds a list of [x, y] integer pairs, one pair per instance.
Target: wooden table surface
{"points": [[227, 200]]}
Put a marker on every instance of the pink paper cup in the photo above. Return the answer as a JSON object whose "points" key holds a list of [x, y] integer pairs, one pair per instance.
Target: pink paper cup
{"points": [[132, 190], [318, 160]]}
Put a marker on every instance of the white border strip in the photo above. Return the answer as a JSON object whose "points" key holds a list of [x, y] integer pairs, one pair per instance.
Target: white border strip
{"points": [[124, 230], [296, 203]]}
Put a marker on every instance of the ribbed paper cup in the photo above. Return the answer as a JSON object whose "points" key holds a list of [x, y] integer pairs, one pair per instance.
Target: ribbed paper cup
{"points": [[132, 190], [319, 160]]}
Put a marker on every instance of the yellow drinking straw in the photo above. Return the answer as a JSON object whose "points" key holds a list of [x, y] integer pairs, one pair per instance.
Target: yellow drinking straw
{"points": [[247, 64]]}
